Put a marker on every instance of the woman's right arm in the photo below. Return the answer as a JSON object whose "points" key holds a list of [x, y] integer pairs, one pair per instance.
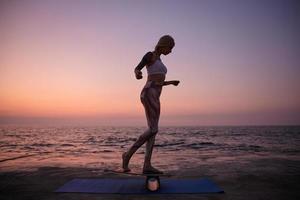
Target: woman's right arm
{"points": [[145, 60]]}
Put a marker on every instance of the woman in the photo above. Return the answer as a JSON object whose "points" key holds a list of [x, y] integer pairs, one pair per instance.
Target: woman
{"points": [[150, 100]]}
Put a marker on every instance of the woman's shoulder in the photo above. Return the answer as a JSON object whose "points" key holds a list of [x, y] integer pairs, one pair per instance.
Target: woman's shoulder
{"points": [[149, 57]]}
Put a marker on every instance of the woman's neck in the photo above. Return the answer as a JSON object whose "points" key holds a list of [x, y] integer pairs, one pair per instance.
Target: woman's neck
{"points": [[157, 54]]}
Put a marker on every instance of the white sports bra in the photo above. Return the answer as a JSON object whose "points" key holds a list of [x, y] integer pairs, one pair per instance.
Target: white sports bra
{"points": [[157, 68]]}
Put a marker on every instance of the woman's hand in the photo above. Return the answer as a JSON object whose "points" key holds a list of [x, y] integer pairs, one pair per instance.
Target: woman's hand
{"points": [[175, 82], [138, 74]]}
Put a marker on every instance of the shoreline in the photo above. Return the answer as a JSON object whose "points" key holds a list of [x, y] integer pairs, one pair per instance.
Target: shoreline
{"points": [[260, 179]]}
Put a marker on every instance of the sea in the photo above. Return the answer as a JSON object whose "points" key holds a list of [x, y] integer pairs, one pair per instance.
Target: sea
{"points": [[176, 148]]}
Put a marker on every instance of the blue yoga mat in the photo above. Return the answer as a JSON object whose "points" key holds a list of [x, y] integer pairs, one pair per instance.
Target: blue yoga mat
{"points": [[137, 186]]}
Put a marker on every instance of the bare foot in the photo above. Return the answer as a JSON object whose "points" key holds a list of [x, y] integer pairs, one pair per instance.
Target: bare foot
{"points": [[151, 170], [125, 163]]}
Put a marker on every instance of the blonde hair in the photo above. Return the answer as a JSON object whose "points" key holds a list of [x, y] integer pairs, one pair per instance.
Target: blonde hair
{"points": [[164, 41]]}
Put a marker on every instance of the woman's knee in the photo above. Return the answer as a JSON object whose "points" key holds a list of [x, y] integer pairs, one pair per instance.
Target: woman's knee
{"points": [[149, 133], [153, 131], [146, 135]]}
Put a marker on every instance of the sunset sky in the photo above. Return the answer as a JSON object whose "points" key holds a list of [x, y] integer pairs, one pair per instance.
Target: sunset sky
{"points": [[72, 61]]}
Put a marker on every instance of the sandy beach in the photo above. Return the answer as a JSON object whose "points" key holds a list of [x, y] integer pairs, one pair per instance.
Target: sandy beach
{"points": [[259, 179]]}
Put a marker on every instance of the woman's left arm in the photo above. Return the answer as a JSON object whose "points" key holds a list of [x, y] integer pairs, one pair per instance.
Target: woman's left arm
{"points": [[174, 82]]}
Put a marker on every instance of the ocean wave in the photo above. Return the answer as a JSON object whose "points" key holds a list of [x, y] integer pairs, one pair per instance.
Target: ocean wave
{"points": [[199, 145], [43, 145], [168, 144], [67, 145]]}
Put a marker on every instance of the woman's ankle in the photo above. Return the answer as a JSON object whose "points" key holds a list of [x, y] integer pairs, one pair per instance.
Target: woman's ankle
{"points": [[147, 166]]}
